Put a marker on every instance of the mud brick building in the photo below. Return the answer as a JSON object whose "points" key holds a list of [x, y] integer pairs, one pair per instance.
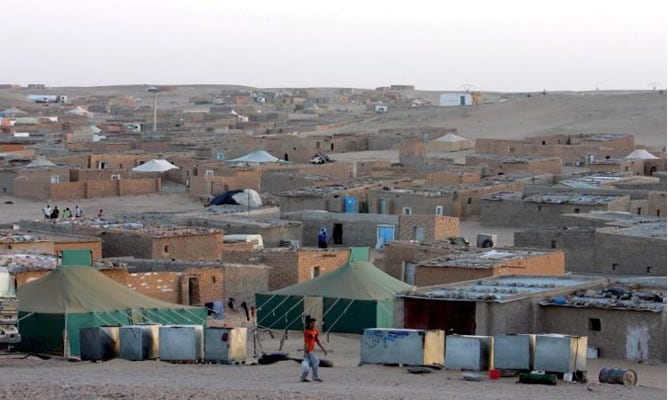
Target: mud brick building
{"points": [[507, 165], [474, 264], [571, 149], [533, 210], [401, 256], [24, 241]]}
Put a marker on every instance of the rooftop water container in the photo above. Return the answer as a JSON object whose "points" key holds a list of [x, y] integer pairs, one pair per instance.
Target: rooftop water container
{"points": [[514, 352]]}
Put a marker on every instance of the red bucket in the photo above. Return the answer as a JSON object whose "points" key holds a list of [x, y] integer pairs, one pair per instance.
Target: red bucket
{"points": [[494, 374]]}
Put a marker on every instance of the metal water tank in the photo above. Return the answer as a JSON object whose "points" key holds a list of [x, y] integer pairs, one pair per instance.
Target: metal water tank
{"points": [[514, 352], [181, 342], [473, 353], [99, 343], [560, 353], [402, 346], [140, 342], [225, 345]]}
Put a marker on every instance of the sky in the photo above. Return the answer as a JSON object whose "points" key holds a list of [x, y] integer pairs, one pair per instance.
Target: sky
{"points": [[509, 45]]}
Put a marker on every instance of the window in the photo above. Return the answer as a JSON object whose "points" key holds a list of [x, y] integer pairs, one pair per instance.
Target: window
{"points": [[407, 211], [55, 179], [166, 249], [101, 164], [439, 210], [649, 270], [115, 177], [213, 279], [614, 266], [209, 172], [639, 210], [543, 143], [315, 272], [553, 244], [540, 208], [595, 324], [469, 200], [577, 211]]}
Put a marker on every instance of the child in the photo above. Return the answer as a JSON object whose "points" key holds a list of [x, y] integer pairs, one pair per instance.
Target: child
{"points": [[310, 340]]}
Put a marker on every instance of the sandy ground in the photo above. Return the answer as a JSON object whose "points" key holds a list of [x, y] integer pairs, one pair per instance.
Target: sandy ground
{"points": [[119, 379]]}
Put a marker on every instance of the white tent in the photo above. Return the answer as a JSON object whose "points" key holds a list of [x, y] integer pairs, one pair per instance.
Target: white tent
{"points": [[256, 157], [155, 166], [450, 142], [249, 198], [641, 154]]}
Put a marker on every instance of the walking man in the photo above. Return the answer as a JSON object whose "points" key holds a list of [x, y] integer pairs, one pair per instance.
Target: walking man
{"points": [[310, 340]]}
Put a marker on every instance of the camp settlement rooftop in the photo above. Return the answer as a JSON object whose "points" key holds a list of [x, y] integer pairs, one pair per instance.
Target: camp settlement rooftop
{"points": [[482, 258], [566, 198], [155, 231], [506, 288], [656, 230]]}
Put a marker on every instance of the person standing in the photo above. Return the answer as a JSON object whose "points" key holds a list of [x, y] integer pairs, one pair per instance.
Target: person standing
{"points": [[55, 213], [100, 214], [322, 238], [310, 340], [47, 211]]}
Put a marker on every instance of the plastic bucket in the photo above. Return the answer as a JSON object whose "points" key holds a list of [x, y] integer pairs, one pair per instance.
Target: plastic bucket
{"points": [[494, 374]]}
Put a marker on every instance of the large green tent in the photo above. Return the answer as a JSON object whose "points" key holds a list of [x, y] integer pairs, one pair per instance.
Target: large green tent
{"points": [[349, 299], [54, 308]]}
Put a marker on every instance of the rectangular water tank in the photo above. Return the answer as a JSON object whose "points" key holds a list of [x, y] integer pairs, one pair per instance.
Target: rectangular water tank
{"points": [[225, 345], [473, 353], [514, 352], [560, 353], [181, 342], [99, 343], [402, 346], [140, 342]]}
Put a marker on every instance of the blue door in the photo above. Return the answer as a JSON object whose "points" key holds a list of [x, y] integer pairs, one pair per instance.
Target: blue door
{"points": [[384, 235], [349, 205], [462, 100]]}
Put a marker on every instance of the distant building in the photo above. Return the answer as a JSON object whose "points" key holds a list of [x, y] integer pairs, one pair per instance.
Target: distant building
{"points": [[455, 99], [46, 98]]}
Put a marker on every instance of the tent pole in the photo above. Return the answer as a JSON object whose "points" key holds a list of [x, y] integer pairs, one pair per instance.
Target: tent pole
{"points": [[274, 309], [302, 314], [292, 308]]}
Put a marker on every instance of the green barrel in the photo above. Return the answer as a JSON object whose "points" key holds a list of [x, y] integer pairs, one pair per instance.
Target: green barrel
{"points": [[538, 379]]}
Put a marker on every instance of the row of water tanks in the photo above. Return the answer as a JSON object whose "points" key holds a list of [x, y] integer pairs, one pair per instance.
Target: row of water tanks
{"points": [[523, 352], [167, 343]]}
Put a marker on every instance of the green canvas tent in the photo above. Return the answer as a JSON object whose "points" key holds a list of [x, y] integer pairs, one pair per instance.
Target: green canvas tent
{"points": [[349, 299], [54, 308]]}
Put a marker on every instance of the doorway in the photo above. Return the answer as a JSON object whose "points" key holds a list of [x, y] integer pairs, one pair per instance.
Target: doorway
{"points": [[384, 235], [418, 233], [193, 291], [409, 273], [337, 235]]}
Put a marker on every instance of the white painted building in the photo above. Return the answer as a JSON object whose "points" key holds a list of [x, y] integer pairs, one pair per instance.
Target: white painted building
{"points": [[455, 99]]}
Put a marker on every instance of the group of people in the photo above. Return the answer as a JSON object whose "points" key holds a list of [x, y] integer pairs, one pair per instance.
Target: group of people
{"points": [[53, 213]]}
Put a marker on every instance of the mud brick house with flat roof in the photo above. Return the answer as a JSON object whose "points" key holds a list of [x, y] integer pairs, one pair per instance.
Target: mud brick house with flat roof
{"points": [[191, 282], [504, 165], [133, 239], [634, 246], [178, 243], [523, 211], [489, 306], [625, 320], [372, 230], [462, 200], [273, 230], [24, 241], [466, 265], [572, 149], [291, 265], [349, 197], [401, 256]]}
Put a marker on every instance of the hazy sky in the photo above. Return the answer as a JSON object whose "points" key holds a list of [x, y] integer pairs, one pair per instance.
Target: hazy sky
{"points": [[491, 44]]}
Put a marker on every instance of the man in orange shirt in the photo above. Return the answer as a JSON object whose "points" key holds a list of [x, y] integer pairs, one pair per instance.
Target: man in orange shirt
{"points": [[310, 340]]}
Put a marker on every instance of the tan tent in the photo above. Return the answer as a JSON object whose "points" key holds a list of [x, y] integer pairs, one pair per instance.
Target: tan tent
{"points": [[450, 142]]}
